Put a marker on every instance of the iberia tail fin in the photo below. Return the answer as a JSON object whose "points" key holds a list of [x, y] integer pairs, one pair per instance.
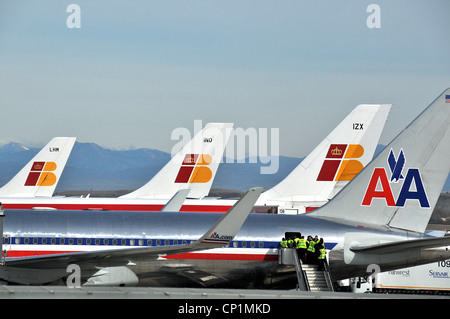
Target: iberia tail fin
{"points": [[41, 175], [335, 161], [193, 167], [400, 187]]}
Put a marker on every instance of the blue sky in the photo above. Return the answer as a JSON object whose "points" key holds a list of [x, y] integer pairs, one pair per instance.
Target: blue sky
{"points": [[136, 70]]}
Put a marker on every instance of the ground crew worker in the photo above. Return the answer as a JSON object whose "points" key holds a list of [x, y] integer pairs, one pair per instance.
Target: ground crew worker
{"points": [[316, 252], [296, 239], [322, 255], [283, 243], [290, 243], [301, 248], [310, 251], [316, 240]]}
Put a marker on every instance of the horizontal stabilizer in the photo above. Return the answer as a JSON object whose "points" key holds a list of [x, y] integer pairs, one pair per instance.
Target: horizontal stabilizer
{"points": [[400, 246], [383, 249], [176, 202]]}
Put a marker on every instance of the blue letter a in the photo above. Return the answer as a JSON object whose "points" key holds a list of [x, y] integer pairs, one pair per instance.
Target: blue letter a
{"points": [[419, 194]]}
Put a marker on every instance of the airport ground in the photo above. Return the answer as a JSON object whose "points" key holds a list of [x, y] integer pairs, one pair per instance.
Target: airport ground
{"points": [[62, 292]]}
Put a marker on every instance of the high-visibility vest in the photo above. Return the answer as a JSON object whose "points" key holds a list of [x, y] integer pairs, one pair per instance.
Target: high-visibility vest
{"points": [[322, 254], [311, 246], [284, 244], [296, 239], [290, 243], [301, 243]]}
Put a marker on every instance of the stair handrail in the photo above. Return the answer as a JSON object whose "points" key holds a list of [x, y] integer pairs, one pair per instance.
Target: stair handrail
{"points": [[303, 284], [327, 275]]}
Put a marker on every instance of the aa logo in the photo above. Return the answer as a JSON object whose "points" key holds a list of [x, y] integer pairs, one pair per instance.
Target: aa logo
{"points": [[194, 169], [380, 186], [216, 238], [41, 174], [340, 163]]}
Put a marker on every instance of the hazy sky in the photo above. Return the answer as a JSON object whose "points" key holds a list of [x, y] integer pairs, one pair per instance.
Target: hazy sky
{"points": [[136, 70]]}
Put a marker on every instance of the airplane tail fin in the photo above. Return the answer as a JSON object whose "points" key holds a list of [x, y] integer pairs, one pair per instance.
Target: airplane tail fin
{"points": [[336, 160], [400, 187], [41, 175], [193, 167]]}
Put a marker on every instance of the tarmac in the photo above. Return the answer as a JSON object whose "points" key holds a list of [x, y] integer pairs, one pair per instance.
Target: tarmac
{"points": [[63, 292]]}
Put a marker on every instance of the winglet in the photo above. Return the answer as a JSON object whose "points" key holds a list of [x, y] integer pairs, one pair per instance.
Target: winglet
{"points": [[41, 175], [223, 232], [176, 202]]}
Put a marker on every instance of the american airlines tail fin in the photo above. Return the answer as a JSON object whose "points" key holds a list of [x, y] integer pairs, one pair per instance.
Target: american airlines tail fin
{"points": [[193, 167], [400, 187], [41, 175], [336, 160]]}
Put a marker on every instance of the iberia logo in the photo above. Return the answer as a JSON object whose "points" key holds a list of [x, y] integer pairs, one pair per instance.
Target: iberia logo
{"points": [[41, 174], [380, 186], [340, 163], [194, 169]]}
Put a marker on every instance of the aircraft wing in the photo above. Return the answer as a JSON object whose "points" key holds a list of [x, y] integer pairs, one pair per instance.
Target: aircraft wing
{"points": [[219, 235]]}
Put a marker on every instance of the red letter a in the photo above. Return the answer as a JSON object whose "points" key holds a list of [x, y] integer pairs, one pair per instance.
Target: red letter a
{"points": [[379, 174]]}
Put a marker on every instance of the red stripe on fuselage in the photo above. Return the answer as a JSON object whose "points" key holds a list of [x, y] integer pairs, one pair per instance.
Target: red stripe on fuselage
{"points": [[28, 253], [121, 207], [212, 256], [203, 256]]}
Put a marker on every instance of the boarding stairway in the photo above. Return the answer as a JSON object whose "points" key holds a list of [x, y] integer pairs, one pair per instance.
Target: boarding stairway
{"points": [[308, 277]]}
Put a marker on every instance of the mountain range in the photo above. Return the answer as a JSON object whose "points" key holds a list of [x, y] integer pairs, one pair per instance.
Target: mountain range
{"points": [[93, 168]]}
